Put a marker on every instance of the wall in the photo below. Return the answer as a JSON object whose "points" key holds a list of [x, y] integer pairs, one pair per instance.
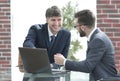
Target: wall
{"points": [[5, 41], [108, 19]]}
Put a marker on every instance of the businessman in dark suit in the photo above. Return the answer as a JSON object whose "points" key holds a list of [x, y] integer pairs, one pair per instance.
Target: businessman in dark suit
{"points": [[50, 35], [39, 35], [99, 60]]}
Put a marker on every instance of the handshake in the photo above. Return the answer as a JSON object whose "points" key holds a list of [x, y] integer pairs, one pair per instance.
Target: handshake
{"points": [[59, 59]]}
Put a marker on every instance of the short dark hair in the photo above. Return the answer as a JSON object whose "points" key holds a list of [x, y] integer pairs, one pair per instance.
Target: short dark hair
{"points": [[53, 11], [85, 17]]}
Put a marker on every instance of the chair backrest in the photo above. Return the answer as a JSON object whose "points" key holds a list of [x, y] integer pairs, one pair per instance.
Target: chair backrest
{"points": [[20, 64]]}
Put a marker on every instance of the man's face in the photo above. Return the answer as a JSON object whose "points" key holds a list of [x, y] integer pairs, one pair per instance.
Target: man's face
{"points": [[55, 24], [79, 28], [82, 33]]}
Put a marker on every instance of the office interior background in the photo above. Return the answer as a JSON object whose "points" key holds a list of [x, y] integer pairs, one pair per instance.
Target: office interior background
{"points": [[17, 16]]}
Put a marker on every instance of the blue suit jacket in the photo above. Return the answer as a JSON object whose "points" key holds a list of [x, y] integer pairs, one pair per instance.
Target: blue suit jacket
{"points": [[38, 37], [99, 60]]}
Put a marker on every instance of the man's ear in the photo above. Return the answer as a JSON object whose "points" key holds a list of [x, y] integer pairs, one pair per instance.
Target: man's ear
{"points": [[47, 20]]}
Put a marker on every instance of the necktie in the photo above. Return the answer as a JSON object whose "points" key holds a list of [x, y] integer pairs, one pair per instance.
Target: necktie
{"points": [[52, 39]]}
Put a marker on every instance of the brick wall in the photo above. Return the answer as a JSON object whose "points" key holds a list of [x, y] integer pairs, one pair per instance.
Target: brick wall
{"points": [[108, 18], [5, 41]]}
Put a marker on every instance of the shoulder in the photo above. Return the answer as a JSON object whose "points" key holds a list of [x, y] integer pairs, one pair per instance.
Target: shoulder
{"points": [[38, 26], [100, 39], [98, 35], [101, 36]]}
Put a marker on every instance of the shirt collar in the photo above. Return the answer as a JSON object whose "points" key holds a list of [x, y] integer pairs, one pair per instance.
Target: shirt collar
{"points": [[88, 39], [50, 33]]}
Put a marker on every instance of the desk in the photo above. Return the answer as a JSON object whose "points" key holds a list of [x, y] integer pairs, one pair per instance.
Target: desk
{"points": [[47, 77]]}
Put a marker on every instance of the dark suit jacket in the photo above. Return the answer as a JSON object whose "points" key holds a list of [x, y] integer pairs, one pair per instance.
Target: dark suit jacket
{"points": [[99, 60], [38, 37]]}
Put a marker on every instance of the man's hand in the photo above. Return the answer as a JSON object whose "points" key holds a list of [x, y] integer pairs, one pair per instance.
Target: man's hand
{"points": [[59, 59]]}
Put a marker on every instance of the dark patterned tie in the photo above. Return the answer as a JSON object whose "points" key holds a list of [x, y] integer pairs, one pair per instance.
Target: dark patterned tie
{"points": [[52, 39]]}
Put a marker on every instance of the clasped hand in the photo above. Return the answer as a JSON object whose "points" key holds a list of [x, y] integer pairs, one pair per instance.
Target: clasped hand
{"points": [[59, 59]]}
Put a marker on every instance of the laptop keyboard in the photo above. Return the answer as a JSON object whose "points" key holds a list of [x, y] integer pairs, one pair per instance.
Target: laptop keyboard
{"points": [[58, 70]]}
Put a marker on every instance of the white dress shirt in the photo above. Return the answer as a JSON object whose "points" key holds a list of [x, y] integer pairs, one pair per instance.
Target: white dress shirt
{"points": [[50, 34]]}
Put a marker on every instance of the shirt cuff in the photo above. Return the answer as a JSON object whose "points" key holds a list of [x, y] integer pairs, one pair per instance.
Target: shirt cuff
{"points": [[64, 62]]}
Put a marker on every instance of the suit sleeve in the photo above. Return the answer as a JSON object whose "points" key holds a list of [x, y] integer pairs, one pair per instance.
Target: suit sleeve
{"points": [[96, 50], [30, 38]]}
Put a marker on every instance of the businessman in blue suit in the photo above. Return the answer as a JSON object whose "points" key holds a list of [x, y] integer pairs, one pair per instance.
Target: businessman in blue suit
{"points": [[41, 35], [99, 60], [51, 36]]}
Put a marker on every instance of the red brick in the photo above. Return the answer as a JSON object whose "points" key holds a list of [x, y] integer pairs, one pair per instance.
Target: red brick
{"points": [[110, 11], [106, 6], [103, 2], [111, 21], [117, 34], [118, 6], [110, 30], [104, 25], [4, 1], [4, 62], [114, 15], [2, 46], [115, 39], [2, 58], [114, 42], [6, 65], [6, 54], [118, 44], [102, 16], [99, 11], [99, 21], [115, 2]]}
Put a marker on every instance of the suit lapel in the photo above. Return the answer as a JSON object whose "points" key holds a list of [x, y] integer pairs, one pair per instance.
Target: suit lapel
{"points": [[57, 39], [45, 33], [95, 32]]}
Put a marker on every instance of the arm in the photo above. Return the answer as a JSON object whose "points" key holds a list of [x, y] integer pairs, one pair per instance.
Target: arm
{"points": [[96, 50], [94, 56], [30, 38]]}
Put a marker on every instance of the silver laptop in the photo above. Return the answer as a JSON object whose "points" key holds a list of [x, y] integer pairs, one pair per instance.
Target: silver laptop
{"points": [[35, 60]]}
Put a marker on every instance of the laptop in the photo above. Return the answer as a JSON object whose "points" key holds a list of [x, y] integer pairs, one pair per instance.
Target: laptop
{"points": [[36, 60]]}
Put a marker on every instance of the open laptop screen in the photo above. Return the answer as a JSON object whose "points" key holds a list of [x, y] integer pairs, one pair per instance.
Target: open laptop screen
{"points": [[35, 60]]}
